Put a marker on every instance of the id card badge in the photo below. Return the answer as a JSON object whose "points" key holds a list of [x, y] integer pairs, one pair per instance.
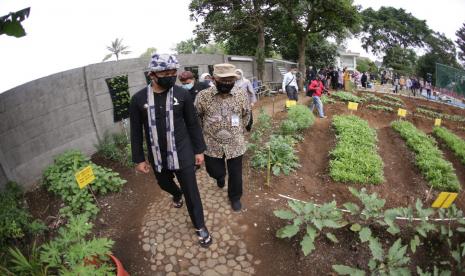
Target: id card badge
{"points": [[234, 120]]}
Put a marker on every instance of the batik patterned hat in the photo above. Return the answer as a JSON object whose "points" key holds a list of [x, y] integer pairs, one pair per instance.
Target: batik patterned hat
{"points": [[162, 62]]}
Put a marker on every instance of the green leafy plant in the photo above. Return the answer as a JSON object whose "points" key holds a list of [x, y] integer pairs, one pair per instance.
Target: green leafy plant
{"points": [[70, 253], [454, 142], [435, 114], [439, 172], [59, 178], [393, 262], [380, 107], [24, 265], [327, 100], [288, 127], [355, 157], [301, 116], [262, 127], [116, 147], [313, 218], [393, 98], [15, 220], [279, 152], [347, 97], [373, 98], [119, 91]]}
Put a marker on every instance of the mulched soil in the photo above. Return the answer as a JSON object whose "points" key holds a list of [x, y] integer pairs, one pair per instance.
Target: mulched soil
{"points": [[122, 214]]}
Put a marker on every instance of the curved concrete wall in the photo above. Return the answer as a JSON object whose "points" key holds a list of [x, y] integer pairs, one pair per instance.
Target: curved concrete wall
{"points": [[71, 110]]}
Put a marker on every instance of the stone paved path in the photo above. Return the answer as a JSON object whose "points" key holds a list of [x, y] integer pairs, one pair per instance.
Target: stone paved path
{"points": [[170, 243]]}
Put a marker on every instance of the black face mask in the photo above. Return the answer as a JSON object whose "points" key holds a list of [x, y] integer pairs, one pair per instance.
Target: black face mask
{"points": [[166, 82], [224, 87]]}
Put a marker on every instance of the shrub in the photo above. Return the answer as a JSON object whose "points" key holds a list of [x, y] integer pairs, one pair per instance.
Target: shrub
{"points": [[438, 172], [59, 178], [301, 116], [354, 159], [279, 150], [288, 127], [15, 220], [454, 142]]}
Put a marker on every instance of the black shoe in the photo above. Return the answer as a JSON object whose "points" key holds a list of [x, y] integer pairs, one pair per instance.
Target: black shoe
{"points": [[204, 237], [220, 183], [236, 205], [177, 203]]}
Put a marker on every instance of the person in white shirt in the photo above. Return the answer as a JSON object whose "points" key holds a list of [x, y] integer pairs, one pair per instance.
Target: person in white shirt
{"points": [[290, 83]]}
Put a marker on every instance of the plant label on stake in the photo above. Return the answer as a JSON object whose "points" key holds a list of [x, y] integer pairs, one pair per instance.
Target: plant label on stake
{"points": [[401, 112], [444, 200], [352, 106], [84, 177], [437, 122]]}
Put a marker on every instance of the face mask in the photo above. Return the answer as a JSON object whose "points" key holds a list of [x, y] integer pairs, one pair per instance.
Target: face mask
{"points": [[167, 82], [188, 86], [294, 72], [224, 87]]}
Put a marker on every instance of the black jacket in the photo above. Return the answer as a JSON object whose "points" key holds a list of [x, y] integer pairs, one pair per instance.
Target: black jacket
{"points": [[198, 86], [187, 132]]}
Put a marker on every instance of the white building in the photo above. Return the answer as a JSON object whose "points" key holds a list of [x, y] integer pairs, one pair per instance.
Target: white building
{"points": [[347, 59]]}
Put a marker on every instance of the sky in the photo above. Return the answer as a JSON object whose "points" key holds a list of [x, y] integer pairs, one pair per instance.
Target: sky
{"points": [[63, 35]]}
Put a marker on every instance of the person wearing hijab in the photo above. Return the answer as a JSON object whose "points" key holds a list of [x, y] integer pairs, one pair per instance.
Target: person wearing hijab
{"points": [[205, 77], [245, 84]]}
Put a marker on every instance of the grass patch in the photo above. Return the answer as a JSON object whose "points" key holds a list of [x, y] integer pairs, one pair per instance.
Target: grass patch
{"points": [[355, 158], [380, 107], [437, 171], [452, 141]]}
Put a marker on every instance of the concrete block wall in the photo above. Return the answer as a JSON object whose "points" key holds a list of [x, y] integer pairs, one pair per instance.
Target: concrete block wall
{"points": [[72, 110]]}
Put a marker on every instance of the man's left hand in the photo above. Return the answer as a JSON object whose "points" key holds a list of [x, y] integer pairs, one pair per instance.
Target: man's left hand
{"points": [[199, 158]]}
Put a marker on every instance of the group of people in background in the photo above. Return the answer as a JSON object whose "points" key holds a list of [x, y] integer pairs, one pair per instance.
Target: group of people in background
{"points": [[185, 126], [413, 84]]}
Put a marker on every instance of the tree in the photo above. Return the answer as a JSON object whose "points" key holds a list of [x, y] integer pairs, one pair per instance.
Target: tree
{"points": [[401, 60], [366, 65], [461, 42], [319, 52], [117, 48], [10, 24], [148, 53], [189, 46], [390, 27], [226, 19], [327, 18], [440, 50]]}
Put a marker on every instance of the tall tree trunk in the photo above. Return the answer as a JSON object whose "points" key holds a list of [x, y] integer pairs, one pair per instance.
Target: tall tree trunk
{"points": [[260, 52], [301, 44]]}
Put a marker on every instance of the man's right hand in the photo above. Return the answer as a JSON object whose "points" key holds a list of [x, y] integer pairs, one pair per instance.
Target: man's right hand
{"points": [[143, 167]]}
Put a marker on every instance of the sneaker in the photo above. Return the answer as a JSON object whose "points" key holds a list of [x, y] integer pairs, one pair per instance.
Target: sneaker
{"points": [[323, 117], [236, 205], [220, 183], [177, 203], [204, 237]]}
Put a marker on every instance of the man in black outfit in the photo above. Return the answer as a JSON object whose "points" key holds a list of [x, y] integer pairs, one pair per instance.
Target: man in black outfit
{"points": [[166, 113], [189, 83]]}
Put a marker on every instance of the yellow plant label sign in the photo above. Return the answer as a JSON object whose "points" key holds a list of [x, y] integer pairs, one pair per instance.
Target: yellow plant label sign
{"points": [[290, 103], [437, 122], [353, 106], [85, 176], [444, 200], [402, 112]]}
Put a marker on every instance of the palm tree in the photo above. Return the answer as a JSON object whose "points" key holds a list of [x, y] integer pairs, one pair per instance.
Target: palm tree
{"points": [[117, 48]]}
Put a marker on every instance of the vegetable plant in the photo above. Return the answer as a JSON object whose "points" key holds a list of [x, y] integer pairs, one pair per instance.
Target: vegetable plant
{"points": [[454, 142], [355, 157], [59, 178], [380, 107], [439, 172], [119, 91], [347, 97]]}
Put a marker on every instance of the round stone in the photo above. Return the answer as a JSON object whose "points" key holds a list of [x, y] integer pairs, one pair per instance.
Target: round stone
{"points": [[146, 247], [168, 267], [195, 270], [231, 263], [161, 247], [188, 255], [215, 255], [226, 237], [170, 251], [240, 258], [177, 243], [153, 267], [171, 274], [222, 269], [210, 272], [211, 262], [195, 262], [222, 260]]}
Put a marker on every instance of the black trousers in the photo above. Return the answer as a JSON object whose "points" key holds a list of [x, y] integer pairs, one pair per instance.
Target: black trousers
{"points": [[216, 168], [188, 181], [292, 93]]}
